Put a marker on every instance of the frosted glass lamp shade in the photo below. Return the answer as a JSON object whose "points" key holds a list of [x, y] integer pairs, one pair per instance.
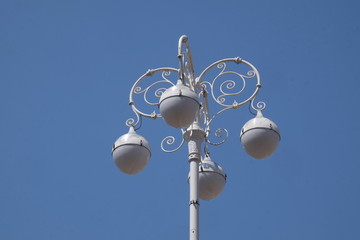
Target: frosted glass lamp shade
{"points": [[212, 179], [131, 152], [179, 105], [260, 137]]}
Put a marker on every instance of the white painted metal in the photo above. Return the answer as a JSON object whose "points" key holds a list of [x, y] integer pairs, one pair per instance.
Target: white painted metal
{"points": [[138, 90], [195, 136], [185, 105], [260, 136]]}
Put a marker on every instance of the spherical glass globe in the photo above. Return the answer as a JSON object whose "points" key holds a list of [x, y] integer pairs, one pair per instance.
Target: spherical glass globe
{"points": [[131, 152], [179, 105], [260, 137], [212, 179]]}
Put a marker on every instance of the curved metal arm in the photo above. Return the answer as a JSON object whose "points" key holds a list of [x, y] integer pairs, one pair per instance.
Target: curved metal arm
{"points": [[170, 140], [230, 84], [152, 86], [137, 89], [186, 63], [131, 122], [226, 87], [226, 84]]}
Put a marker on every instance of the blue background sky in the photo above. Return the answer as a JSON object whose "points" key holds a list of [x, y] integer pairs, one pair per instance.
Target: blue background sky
{"points": [[66, 68]]}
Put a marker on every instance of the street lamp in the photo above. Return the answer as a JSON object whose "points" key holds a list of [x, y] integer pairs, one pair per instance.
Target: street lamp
{"points": [[185, 106]]}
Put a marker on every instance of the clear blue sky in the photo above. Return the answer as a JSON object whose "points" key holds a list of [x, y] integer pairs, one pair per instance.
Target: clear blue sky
{"points": [[66, 68]]}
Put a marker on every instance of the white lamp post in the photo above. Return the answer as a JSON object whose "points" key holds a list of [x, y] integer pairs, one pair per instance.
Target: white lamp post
{"points": [[185, 106]]}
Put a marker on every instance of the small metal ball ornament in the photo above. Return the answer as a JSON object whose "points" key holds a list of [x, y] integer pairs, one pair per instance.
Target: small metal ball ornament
{"points": [[212, 179], [178, 105], [131, 152], [260, 137]]}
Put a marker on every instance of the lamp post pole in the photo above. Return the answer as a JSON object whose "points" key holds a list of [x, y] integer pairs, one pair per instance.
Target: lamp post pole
{"points": [[195, 136], [185, 106]]}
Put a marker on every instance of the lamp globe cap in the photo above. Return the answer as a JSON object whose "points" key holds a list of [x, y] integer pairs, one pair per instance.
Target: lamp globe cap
{"points": [[131, 152], [212, 179], [260, 137], [179, 105]]}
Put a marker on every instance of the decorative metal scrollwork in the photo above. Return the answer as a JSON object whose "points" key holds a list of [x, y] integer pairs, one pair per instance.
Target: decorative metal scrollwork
{"points": [[186, 72], [131, 122], [227, 87], [151, 92], [221, 133], [222, 87], [170, 140], [259, 106], [157, 88]]}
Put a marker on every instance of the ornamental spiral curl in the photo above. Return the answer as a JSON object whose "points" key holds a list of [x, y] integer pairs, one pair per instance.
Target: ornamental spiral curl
{"points": [[139, 90], [259, 106], [159, 92], [136, 124], [131, 122], [219, 133], [250, 74], [170, 140], [226, 85]]}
